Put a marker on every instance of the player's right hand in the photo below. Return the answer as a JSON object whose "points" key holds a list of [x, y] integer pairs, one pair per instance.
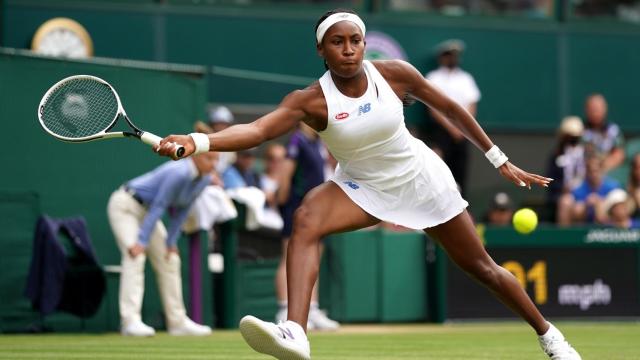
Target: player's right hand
{"points": [[168, 144]]}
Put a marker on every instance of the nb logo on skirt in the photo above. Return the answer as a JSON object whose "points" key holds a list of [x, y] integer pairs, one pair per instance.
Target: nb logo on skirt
{"points": [[352, 185]]}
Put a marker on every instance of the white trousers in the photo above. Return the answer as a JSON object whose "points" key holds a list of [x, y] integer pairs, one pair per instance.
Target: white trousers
{"points": [[126, 216]]}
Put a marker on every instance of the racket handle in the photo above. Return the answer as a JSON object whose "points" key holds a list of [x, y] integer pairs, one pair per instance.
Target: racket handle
{"points": [[150, 139]]}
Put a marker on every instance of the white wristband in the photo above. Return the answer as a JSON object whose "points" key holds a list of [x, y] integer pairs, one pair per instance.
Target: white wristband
{"points": [[496, 156], [202, 142]]}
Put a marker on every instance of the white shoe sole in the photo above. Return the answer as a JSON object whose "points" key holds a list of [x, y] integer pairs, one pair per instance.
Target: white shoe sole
{"points": [[262, 340]]}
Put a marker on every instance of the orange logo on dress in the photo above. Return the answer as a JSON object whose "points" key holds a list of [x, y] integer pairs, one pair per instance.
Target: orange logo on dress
{"points": [[342, 116]]}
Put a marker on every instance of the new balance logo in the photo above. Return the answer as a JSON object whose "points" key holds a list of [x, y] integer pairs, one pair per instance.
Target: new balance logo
{"points": [[352, 185], [363, 109], [285, 332]]}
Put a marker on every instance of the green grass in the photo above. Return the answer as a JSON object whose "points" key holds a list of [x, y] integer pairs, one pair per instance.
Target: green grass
{"points": [[600, 341]]}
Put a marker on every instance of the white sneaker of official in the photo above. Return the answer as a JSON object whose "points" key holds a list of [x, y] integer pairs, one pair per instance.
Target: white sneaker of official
{"points": [[285, 341], [318, 320], [190, 328], [137, 328], [556, 347]]}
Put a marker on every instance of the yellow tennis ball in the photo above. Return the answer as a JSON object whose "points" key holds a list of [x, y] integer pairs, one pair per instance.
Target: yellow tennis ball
{"points": [[525, 220]]}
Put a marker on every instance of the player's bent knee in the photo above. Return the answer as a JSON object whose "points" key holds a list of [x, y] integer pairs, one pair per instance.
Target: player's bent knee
{"points": [[306, 222]]}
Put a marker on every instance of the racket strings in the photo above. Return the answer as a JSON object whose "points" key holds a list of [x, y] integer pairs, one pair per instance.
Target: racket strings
{"points": [[79, 108]]}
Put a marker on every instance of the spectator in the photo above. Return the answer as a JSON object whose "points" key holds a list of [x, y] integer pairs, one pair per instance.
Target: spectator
{"points": [[135, 213], [633, 187], [220, 118], [244, 184], [600, 135], [242, 172], [565, 165], [274, 157], [500, 211], [448, 141], [616, 210], [584, 200]]}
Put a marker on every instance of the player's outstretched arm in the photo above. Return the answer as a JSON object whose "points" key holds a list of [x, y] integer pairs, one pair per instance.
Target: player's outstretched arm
{"points": [[420, 88], [243, 136]]}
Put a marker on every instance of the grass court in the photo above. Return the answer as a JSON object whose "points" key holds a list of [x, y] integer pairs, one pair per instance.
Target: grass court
{"points": [[469, 341]]}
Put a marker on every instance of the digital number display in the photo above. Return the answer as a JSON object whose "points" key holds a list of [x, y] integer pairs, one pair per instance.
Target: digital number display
{"points": [[563, 282]]}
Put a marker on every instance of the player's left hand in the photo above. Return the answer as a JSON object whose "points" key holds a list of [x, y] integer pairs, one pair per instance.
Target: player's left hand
{"points": [[168, 145], [521, 177]]}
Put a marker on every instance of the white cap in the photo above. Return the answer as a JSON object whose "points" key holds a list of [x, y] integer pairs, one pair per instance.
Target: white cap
{"points": [[614, 197], [572, 125], [451, 45], [220, 114]]}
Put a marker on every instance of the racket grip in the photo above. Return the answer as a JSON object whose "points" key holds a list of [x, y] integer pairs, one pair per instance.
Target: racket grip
{"points": [[150, 139]]}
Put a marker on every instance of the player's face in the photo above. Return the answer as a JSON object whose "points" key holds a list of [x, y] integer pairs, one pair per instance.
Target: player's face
{"points": [[343, 49]]}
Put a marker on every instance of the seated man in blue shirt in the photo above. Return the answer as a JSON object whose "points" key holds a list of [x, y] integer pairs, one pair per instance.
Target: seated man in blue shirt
{"points": [[590, 194], [135, 213]]}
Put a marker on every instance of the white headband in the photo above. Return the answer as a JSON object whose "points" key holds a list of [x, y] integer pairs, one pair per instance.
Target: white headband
{"points": [[337, 17]]}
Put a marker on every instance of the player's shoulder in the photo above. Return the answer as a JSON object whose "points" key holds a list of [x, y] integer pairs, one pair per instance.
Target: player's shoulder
{"points": [[310, 101], [302, 96], [394, 68]]}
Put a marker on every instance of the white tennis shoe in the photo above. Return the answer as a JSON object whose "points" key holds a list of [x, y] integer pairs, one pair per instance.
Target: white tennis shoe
{"points": [[190, 328], [137, 328], [318, 320], [556, 347], [285, 341]]}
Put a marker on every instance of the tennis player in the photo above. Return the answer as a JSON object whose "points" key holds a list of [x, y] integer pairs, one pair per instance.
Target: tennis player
{"points": [[383, 174]]}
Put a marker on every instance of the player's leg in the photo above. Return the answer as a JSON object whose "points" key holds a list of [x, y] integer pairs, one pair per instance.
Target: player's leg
{"points": [[318, 320], [125, 215], [460, 240], [325, 210]]}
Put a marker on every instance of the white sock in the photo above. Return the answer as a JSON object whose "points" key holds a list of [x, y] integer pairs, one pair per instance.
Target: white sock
{"points": [[552, 333], [283, 305]]}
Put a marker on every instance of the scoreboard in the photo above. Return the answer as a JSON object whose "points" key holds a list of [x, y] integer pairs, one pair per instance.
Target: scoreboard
{"points": [[573, 273]]}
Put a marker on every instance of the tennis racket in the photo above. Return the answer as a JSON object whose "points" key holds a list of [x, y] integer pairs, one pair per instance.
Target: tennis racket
{"points": [[84, 108]]}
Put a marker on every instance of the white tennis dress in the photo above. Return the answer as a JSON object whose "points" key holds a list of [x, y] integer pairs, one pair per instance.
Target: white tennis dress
{"points": [[381, 167]]}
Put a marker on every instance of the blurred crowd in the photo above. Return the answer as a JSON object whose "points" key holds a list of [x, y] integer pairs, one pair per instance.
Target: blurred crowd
{"points": [[597, 173]]}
